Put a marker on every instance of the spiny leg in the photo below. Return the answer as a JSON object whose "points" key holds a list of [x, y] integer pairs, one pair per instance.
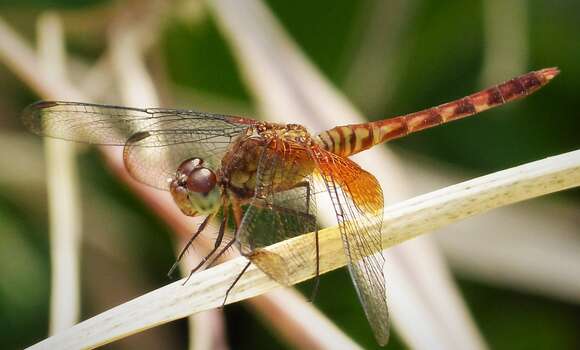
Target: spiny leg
{"points": [[236, 208], [200, 228], [235, 282], [221, 252], [215, 248]]}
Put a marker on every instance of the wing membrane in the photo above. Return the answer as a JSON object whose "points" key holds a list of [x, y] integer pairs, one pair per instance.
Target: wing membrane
{"points": [[358, 202], [156, 140], [274, 215], [113, 125]]}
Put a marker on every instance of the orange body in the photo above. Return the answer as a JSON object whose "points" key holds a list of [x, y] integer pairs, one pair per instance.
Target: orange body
{"points": [[350, 139], [286, 147]]}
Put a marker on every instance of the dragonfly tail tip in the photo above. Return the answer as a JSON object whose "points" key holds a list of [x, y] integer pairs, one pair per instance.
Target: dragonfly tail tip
{"points": [[550, 73]]}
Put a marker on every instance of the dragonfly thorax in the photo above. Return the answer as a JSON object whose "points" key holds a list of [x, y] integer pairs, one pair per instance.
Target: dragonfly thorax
{"points": [[194, 188], [269, 143]]}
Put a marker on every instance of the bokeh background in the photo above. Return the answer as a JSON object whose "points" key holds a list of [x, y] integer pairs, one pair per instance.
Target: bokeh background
{"points": [[388, 58]]}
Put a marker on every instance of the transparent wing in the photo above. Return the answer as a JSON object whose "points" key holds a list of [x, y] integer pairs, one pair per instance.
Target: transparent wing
{"points": [[358, 202], [113, 125], [156, 140], [283, 206]]}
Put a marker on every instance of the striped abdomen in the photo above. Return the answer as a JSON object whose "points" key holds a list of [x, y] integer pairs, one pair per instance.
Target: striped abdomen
{"points": [[350, 139]]}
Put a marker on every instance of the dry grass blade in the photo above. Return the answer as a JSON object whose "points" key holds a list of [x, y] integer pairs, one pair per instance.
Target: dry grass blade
{"points": [[22, 60], [63, 196], [546, 260], [405, 220]]}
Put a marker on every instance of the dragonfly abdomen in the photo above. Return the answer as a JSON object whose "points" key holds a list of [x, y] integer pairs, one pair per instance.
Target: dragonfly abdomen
{"points": [[350, 139]]}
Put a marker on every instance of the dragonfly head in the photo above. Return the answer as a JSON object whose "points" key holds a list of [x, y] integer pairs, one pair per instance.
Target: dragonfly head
{"points": [[194, 188]]}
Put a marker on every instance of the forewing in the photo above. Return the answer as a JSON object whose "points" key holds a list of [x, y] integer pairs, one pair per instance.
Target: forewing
{"points": [[358, 202], [276, 213], [156, 140], [113, 125]]}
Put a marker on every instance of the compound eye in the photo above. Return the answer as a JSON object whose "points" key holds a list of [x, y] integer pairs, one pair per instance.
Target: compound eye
{"points": [[201, 180], [188, 166]]}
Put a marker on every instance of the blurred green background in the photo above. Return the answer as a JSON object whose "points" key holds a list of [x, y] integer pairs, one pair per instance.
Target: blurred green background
{"points": [[434, 51]]}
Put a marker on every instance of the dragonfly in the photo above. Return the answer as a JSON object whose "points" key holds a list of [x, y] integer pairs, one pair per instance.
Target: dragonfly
{"points": [[264, 176]]}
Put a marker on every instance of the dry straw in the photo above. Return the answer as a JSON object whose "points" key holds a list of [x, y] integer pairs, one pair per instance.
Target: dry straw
{"points": [[406, 220]]}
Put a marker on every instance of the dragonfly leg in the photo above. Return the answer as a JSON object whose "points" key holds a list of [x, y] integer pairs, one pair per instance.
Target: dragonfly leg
{"points": [[189, 243], [222, 251], [235, 282], [215, 248]]}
